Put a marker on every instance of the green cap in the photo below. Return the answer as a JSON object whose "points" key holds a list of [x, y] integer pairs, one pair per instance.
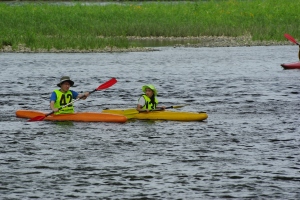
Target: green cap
{"points": [[150, 87]]}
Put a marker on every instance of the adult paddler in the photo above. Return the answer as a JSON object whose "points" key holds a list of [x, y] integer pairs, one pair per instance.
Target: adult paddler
{"points": [[63, 96]]}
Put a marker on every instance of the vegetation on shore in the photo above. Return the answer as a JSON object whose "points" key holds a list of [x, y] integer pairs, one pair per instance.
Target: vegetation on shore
{"points": [[92, 26]]}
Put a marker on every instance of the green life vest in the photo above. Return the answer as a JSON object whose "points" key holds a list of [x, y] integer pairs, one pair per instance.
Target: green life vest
{"points": [[63, 99], [148, 104]]}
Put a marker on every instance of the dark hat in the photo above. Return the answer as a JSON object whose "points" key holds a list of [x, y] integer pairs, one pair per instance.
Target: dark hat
{"points": [[65, 78]]}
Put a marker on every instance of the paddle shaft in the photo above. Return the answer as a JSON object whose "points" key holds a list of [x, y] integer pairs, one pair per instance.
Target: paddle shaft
{"points": [[160, 109], [133, 112], [179, 106]]}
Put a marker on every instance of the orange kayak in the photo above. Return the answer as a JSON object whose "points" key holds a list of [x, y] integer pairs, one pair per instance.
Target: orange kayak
{"points": [[80, 116]]}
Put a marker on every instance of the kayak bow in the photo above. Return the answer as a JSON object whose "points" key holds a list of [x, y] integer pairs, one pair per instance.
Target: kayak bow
{"points": [[294, 65]]}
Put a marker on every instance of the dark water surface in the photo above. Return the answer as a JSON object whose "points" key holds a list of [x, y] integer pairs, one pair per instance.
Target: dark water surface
{"points": [[248, 148]]}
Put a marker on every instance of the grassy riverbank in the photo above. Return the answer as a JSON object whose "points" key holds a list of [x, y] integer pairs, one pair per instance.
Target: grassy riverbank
{"points": [[82, 26]]}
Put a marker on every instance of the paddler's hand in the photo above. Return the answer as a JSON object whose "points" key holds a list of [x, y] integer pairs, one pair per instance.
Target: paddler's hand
{"points": [[84, 96], [55, 109], [143, 110]]}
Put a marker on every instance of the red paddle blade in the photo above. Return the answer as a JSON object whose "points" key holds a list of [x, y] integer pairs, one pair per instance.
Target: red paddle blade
{"points": [[37, 118], [107, 84], [290, 38]]}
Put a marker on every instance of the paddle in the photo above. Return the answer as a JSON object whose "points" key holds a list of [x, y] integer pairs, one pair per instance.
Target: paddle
{"points": [[178, 106], [290, 38], [105, 85], [134, 111]]}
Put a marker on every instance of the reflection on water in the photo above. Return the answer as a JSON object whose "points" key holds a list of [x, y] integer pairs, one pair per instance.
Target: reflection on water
{"points": [[247, 148], [64, 123]]}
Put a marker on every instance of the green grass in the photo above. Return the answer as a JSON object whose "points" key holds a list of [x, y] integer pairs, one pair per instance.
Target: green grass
{"points": [[92, 26]]}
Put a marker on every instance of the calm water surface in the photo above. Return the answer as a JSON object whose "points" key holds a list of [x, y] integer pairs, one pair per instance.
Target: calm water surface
{"points": [[248, 148]]}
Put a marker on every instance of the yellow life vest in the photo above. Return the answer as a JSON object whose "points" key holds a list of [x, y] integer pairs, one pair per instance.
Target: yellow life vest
{"points": [[63, 99], [148, 104]]}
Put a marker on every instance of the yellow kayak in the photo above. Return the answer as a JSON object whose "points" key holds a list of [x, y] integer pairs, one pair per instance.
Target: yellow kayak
{"points": [[132, 113]]}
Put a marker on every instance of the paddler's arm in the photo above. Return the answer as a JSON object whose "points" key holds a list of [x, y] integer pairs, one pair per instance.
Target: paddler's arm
{"points": [[52, 106], [139, 108], [84, 95], [161, 107], [52, 102]]}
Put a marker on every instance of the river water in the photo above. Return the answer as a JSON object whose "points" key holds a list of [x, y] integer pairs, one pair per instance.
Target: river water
{"points": [[248, 148]]}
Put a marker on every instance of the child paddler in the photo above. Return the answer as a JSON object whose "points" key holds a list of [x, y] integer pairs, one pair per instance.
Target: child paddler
{"points": [[63, 96], [148, 101]]}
